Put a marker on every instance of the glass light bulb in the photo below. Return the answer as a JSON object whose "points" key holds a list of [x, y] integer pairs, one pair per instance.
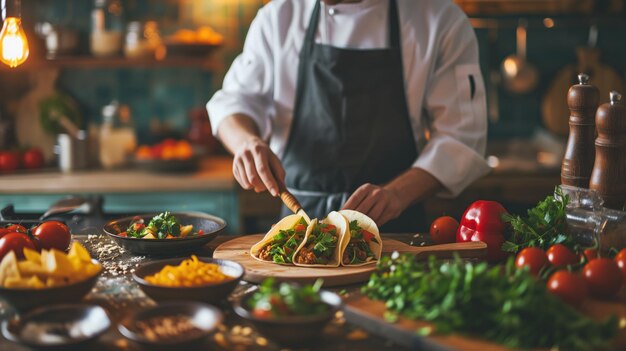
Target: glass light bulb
{"points": [[13, 42]]}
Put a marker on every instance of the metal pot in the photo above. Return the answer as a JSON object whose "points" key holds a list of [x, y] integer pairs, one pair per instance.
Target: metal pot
{"points": [[518, 75]]}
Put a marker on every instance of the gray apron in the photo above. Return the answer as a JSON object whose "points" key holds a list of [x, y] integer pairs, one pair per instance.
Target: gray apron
{"points": [[350, 124]]}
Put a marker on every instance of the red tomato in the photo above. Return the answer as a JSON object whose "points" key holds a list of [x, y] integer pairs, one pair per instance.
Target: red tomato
{"points": [[15, 242], [443, 230], [9, 161], [17, 228], [560, 255], [52, 235], [200, 232], [32, 158], [620, 259], [568, 286], [299, 227], [533, 257], [327, 228], [591, 254], [603, 277], [367, 236]]}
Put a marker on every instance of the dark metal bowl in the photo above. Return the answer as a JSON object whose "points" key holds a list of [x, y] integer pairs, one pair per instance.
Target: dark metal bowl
{"points": [[211, 225], [290, 331], [211, 293], [169, 166], [203, 316], [92, 321], [24, 299]]}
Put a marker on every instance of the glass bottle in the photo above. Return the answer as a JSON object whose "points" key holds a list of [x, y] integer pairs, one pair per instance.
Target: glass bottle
{"points": [[107, 28]]}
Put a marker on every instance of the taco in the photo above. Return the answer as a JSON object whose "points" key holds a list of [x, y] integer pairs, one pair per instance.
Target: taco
{"points": [[323, 242], [362, 243], [282, 241]]}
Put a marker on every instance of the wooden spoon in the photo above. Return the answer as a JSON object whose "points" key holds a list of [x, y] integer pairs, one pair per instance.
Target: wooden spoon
{"points": [[472, 249]]}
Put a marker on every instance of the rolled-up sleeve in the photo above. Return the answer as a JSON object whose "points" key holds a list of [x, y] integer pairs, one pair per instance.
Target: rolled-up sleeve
{"points": [[455, 105], [248, 84]]}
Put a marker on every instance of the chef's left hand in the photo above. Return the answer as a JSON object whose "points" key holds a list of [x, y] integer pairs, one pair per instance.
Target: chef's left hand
{"points": [[379, 203]]}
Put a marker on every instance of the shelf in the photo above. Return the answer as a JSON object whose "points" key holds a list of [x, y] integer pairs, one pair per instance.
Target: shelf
{"points": [[204, 63]]}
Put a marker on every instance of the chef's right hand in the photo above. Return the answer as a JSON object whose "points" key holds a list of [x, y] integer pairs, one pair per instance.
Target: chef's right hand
{"points": [[256, 167]]}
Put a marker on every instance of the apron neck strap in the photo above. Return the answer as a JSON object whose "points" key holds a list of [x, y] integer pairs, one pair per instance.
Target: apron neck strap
{"points": [[392, 24]]}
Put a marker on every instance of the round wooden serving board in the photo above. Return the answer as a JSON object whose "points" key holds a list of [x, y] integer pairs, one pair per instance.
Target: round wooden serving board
{"points": [[238, 250]]}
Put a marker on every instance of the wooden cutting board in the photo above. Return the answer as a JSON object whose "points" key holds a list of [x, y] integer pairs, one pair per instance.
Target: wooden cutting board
{"points": [[238, 250], [369, 315]]}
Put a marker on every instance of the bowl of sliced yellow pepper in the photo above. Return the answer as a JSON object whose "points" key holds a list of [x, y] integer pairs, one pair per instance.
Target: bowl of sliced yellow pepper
{"points": [[195, 278], [47, 277]]}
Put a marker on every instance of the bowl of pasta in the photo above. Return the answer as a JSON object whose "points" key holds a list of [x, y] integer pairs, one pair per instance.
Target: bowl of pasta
{"points": [[193, 278]]}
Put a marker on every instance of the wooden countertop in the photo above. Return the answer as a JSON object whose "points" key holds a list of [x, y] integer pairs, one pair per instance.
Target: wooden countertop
{"points": [[215, 173]]}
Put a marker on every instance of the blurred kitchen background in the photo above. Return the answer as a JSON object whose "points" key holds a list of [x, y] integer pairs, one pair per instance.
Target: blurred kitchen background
{"points": [[136, 74]]}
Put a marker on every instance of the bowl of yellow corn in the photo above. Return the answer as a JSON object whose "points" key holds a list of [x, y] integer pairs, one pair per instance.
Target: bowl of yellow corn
{"points": [[193, 278]]}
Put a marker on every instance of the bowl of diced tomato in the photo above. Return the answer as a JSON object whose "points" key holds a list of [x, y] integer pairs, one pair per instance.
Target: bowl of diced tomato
{"points": [[165, 234]]}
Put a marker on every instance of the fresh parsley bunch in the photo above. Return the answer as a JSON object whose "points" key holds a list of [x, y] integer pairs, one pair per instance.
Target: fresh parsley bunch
{"points": [[544, 226], [502, 304]]}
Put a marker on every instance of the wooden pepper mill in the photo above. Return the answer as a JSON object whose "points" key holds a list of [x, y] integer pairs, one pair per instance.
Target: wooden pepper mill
{"points": [[582, 100], [609, 170]]}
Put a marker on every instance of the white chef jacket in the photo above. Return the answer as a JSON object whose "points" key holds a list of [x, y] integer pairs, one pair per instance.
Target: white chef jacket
{"points": [[439, 53]]}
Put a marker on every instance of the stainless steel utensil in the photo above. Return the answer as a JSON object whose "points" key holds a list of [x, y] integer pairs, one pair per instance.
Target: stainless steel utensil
{"points": [[518, 75]]}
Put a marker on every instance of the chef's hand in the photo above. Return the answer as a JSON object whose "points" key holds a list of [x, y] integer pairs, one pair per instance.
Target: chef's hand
{"points": [[256, 167], [378, 202]]}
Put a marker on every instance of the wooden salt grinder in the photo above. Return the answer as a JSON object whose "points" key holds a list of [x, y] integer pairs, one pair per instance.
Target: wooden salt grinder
{"points": [[609, 171], [582, 100]]}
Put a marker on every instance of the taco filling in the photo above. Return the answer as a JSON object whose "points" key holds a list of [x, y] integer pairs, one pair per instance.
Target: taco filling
{"points": [[320, 245], [281, 247], [358, 249]]}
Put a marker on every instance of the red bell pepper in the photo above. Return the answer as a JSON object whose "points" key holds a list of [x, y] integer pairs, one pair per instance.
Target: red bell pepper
{"points": [[482, 221]]}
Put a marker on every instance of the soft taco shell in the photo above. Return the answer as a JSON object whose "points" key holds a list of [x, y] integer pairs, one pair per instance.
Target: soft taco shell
{"points": [[341, 224], [284, 224], [365, 223]]}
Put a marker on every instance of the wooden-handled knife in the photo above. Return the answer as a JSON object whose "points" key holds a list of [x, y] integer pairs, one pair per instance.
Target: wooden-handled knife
{"points": [[292, 203]]}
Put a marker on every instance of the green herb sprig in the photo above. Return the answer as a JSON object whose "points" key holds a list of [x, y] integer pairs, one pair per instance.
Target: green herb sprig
{"points": [[544, 226], [501, 304]]}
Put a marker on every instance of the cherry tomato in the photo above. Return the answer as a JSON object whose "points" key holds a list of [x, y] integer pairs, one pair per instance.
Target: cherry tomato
{"points": [[603, 277], [15, 242], [17, 228], [9, 161], [443, 230], [32, 158], [560, 255], [200, 232], [261, 313], [568, 286], [533, 257], [591, 254], [620, 259], [52, 235]]}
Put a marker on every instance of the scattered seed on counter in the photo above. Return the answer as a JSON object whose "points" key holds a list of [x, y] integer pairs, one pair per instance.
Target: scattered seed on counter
{"points": [[261, 341], [246, 331]]}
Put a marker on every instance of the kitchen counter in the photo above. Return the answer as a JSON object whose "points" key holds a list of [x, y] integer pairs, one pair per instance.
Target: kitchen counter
{"points": [[214, 173], [118, 294]]}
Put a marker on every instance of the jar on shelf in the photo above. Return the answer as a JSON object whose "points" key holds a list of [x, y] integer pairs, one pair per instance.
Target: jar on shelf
{"points": [[117, 136], [107, 28], [143, 41]]}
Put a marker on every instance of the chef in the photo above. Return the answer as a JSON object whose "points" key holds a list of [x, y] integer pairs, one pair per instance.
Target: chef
{"points": [[371, 105]]}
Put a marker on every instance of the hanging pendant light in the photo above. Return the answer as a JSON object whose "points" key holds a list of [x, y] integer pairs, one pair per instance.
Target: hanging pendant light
{"points": [[13, 42]]}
